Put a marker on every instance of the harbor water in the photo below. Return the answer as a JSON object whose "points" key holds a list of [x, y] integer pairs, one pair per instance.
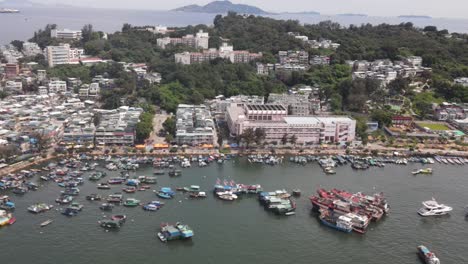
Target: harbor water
{"points": [[242, 231]]}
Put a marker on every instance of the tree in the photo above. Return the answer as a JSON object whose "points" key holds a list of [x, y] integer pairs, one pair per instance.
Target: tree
{"points": [[284, 139], [293, 139], [18, 44], [248, 136], [169, 138], [86, 33], [96, 119], [260, 135], [169, 125], [384, 117]]}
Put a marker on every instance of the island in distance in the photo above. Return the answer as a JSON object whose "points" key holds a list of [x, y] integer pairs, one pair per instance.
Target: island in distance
{"points": [[222, 7]]}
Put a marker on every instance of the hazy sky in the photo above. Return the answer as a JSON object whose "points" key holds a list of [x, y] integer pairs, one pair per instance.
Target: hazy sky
{"points": [[435, 8]]}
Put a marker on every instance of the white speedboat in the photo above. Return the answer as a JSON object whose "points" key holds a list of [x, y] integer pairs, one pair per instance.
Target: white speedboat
{"points": [[432, 208]]}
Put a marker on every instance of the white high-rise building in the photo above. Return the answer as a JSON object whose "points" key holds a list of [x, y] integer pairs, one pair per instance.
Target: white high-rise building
{"points": [[65, 34], [57, 55]]}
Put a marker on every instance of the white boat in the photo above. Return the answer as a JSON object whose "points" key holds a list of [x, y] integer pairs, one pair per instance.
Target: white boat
{"points": [[432, 208]]}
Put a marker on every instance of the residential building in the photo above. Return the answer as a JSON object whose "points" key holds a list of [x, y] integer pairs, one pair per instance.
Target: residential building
{"points": [[447, 111], [57, 55], [276, 123], [65, 34], [57, 86], [294, 57], [117, 126], [199, 41], [224, 52], [194, 125], [14, 87], [11, 70], [320, 60]]}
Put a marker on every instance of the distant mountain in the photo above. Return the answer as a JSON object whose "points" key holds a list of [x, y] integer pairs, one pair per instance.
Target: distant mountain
{"points": [[19, 3], [352, 15], [411, 16], [221, 7], [313, 13]]}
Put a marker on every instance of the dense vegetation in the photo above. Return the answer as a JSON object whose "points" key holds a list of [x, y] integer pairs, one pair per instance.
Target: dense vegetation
{"points": [[446, 54]]}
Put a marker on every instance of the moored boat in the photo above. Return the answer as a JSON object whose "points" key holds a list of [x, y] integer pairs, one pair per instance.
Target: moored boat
{"points": [[338, 222], [427, 256], [174, 232], [46, 223]]}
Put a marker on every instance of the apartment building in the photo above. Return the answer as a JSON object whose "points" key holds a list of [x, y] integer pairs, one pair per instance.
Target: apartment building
{"points": [[57, 86], [65, 34], [199, 41], [194, 125]]}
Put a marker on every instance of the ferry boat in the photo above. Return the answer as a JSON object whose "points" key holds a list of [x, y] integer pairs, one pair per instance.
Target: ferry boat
{"points": [[427, 256], [338, 222], [174, 232], [432, 208], [8, 11]]}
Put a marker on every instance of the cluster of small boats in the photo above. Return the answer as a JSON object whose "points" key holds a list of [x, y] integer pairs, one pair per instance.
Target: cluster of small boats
{"points": [[230, 191], [358, 207]]}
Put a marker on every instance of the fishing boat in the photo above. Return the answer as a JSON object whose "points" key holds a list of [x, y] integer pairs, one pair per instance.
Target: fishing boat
{"points": [[106, 207], [46, 223], [6, 204], [175, 173], [93, 197], [76, 206], [329, 170], [159, 172], [64, 199], [109, 224], [174, 232], [115, 198], [153, 206], [120, 218], [227, 196], [197, 195], [338, 222], [39, 208], [116, 181], [164, 195], [422, 171], [131, 202], [70, 212], [432, 208], [129, 189], [71, 191], [103, 186], [296, 192], [427, 256]]}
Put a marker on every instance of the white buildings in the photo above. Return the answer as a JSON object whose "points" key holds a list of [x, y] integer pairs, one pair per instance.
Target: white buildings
{"points": [[57, 86], [65, 34], [225, 52], [57, 55], [31, 49], [62, 54], [117, 126], [199, 41], [277, 124], [195, 125]]}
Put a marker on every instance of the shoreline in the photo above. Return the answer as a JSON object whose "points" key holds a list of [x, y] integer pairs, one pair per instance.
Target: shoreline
{"points": [[403, 153]]}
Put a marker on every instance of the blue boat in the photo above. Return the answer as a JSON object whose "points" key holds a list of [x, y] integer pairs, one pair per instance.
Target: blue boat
{"points": [[164, 195], [168, 191], [340, 223], [70, 212]]}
